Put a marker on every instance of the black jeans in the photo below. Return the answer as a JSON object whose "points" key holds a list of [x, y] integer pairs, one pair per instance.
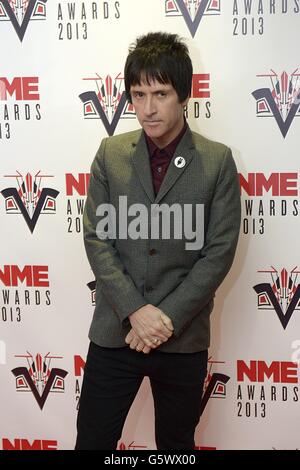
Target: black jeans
{"points": [[112, 378]]}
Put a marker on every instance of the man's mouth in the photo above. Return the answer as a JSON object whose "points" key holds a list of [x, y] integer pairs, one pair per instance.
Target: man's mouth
{"points": [[152, 122]]}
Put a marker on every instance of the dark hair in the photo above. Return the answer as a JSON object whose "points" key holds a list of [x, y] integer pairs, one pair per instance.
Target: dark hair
{"points": [[162, 57]]}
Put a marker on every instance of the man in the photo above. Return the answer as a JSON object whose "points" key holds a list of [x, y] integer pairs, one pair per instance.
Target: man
{"points": [[155, 294]]}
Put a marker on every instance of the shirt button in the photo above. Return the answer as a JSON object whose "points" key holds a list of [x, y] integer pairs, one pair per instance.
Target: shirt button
{"points": [[152, 251], [159, 169]]}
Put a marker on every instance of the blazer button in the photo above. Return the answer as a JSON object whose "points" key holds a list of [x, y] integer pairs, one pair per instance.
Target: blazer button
{"points": [[152, 251], [149, 289]]}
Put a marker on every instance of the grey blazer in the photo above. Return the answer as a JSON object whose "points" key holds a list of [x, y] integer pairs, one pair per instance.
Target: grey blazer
{"points": [[132, 273]]}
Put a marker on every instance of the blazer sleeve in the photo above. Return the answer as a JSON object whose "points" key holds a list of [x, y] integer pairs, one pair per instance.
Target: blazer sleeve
{"points": [[217, 254], [118, 287]]}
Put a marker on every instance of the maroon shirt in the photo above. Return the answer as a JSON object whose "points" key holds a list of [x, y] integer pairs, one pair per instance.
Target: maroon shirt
{"points": [[160, 158]]}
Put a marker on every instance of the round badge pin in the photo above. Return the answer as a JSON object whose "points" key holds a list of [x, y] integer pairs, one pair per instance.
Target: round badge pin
{"points": [[179, 162]]}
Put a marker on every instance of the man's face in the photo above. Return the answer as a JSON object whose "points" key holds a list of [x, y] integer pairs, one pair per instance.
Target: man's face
{"points": [[158, 110]]}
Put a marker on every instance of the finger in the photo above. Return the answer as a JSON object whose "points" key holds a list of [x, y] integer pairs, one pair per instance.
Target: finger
{"points": [[146, 350], [155, 335], [156, 342], [134, 343], [148, 342], [167, 333], [161, 331], [163, 334], [167, 321], [140, 346], [129, 337]]}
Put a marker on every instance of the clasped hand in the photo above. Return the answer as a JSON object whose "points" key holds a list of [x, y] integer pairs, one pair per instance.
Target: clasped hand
{"points": [[150, 328]]}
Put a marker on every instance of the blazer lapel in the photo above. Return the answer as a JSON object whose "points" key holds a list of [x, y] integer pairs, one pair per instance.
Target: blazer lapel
{"points": [[140, 157], [184, 149]]}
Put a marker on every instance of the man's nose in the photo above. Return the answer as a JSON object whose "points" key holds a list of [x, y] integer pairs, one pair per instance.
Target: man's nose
{"points": [[150, 107]]}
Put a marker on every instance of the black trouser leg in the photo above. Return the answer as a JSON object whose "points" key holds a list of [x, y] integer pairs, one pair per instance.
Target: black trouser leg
{"points": [[110, 384], [177, 386]]}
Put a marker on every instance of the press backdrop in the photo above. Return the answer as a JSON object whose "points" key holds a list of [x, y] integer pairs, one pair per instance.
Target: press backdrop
{"points": [[61, 92]]}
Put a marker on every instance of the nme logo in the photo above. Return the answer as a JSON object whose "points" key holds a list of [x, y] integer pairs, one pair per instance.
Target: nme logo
{"points": [[77, 183], [260, 371], [39, 377], [21, 12], [281, 295], [214, 384], [281, 100], [24, 444], [199, 97], [192, 11], [79, 364], [32, 276], [19, 88], [30, 199], [107, 101], [278, 184], [131, 446], [200, 85]]}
